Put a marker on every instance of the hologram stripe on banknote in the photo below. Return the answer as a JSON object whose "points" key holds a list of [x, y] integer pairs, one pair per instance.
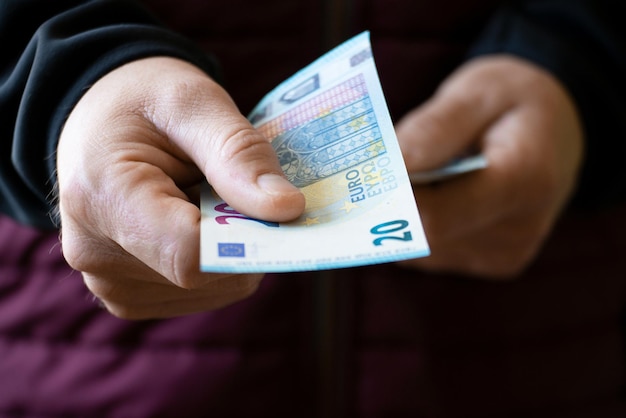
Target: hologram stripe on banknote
{"points": [[328, 101]]}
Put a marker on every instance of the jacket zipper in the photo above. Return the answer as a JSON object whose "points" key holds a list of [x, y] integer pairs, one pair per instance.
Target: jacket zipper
{"points": [[329, 345]]}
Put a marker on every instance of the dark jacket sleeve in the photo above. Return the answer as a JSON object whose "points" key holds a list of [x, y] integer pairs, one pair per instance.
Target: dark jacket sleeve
{"points": [[51, 52], [583, 43]]}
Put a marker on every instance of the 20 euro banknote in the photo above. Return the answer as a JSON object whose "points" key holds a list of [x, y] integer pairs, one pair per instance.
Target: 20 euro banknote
{"points": [[334, 138]]}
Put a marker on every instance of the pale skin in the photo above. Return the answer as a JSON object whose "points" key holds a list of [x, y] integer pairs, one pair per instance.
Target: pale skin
{"points": [[145, 134]]}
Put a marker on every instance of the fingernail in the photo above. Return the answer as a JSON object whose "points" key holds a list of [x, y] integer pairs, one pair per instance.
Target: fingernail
{"points": [[275, 184]]}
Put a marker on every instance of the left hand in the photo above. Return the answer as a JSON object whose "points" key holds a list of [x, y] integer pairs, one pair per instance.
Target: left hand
{"points": [[491, 223]]}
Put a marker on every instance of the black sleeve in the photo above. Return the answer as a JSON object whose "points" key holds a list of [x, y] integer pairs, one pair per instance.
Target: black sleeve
{"points": [[52, 51], [582, 43]]}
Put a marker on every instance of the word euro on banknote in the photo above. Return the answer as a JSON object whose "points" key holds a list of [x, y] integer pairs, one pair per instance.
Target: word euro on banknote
{"points": [[331, 130]]}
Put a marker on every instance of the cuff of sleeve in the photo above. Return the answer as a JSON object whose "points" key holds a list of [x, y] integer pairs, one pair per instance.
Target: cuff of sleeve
{"points": [[59, 64]]}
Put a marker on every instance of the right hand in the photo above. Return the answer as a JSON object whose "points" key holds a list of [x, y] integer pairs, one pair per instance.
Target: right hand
{"points": [[128, 159]]}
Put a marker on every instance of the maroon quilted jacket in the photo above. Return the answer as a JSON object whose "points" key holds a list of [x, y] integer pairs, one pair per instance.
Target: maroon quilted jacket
{"points": [[366, 342]]}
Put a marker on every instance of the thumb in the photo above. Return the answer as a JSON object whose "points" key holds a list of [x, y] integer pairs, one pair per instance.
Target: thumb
{"points": [[237, 160], [242, 167], [447, 126]]}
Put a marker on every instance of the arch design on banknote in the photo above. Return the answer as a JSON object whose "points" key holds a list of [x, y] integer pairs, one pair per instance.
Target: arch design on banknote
{"points": [[341, 134]]}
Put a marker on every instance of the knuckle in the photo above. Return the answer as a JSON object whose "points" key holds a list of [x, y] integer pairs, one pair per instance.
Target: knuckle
{"points": [[104, 290], [119, 301], [79, 244], [73, 200], [77, 251], [180, 268], [85, 251], [245, 140]]}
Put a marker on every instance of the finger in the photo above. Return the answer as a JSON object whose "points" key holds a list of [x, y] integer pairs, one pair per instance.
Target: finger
{"points": [[135, 299], [450, 124], [444, 217], [103, 258], [493, 192], [165, 235], [236, 159], [500, 253]]}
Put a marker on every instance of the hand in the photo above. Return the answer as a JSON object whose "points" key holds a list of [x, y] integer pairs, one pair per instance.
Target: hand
{"points": [[491, 223], [128, 159]]}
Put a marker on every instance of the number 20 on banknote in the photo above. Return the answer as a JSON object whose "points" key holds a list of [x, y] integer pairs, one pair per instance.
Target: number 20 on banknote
{"points": [[387, 230]]}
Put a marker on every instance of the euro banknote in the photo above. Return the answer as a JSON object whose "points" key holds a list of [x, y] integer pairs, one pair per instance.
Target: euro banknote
{"points": [[458, 166], [334, 138]]}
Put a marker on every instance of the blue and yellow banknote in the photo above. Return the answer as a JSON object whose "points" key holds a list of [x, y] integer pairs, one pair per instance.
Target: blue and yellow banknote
{"points": [[334, 138]]}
